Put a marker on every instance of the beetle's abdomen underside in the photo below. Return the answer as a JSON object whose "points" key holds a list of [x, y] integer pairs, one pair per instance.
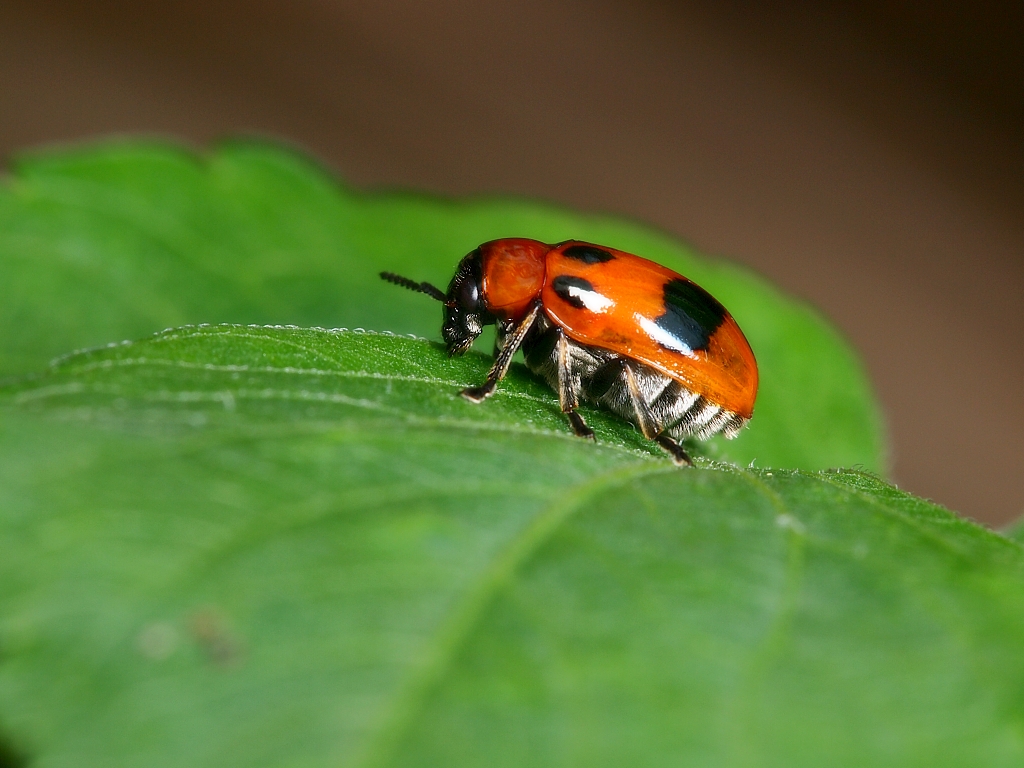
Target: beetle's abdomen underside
{"points": [[599, 376]]}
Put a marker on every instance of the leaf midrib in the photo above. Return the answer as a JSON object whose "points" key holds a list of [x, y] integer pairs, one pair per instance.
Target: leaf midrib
{"points": [[250, 536], [465, 614]]}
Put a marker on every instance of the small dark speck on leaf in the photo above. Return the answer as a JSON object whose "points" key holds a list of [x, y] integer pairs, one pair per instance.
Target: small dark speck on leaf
{"points": [[209, 628]]}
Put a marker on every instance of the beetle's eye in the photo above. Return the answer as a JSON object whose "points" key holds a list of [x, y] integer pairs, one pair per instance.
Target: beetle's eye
{"points": [[469, 294]]}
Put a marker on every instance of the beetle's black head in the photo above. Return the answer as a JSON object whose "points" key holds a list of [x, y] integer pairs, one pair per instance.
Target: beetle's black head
{"points": [[465, 312]]}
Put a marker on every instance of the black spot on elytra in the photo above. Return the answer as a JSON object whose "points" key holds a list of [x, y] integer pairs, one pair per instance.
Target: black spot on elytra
{"points": [[692, 315], [588, 254], [562, 285]]}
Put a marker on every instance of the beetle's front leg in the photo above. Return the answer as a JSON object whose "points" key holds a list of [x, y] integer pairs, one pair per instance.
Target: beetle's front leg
{"points": [[503, 359]]}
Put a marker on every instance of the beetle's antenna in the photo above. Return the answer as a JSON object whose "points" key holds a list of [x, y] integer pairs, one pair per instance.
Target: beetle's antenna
{"points": [[431, 291]]}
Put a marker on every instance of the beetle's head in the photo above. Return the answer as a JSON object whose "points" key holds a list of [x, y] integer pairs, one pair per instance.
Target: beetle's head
{"points": [[465, 312]]}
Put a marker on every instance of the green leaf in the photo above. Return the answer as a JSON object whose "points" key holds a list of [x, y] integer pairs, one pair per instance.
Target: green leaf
{"points": [[117, 241], [246, 546], [1015, 531]]}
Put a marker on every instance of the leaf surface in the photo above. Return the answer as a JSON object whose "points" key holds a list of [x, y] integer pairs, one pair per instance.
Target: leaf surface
{"points": [[247, 546], [121, 240]]}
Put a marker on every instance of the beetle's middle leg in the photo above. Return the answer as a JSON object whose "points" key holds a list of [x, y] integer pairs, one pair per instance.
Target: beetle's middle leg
{"points": [[649, 424], [568, 388]]}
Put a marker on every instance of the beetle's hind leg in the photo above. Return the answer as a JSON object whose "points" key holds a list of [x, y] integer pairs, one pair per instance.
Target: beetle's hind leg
{"points": [[569, 387], [679, 456], [648, 424]]}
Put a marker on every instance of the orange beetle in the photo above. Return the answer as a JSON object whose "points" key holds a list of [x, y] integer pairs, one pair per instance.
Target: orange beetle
{"points": [[607, 327]]}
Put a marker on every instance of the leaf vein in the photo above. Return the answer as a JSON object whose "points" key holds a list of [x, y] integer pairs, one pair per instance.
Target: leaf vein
{"points": [[455, 631]]}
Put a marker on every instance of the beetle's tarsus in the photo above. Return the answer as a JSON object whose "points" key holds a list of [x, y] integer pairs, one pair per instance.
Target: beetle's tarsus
{"points": [[679, 456], [478, 394]]}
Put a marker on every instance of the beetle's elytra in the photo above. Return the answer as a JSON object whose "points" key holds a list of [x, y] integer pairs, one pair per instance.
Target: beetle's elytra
{"points": [[606, 327]]}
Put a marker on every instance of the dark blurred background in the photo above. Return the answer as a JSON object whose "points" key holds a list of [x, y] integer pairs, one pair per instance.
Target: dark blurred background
{"points": [[868, 157]]}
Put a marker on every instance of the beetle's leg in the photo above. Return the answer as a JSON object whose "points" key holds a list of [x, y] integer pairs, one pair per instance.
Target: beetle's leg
{"points": [[604, 378], [504, 359], [644, 418], [649, 425], [505, 327], [567, 395], [679, 456]]}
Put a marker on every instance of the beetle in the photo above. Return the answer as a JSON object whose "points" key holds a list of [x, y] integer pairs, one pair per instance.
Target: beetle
{"points": [[605, 327]]}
